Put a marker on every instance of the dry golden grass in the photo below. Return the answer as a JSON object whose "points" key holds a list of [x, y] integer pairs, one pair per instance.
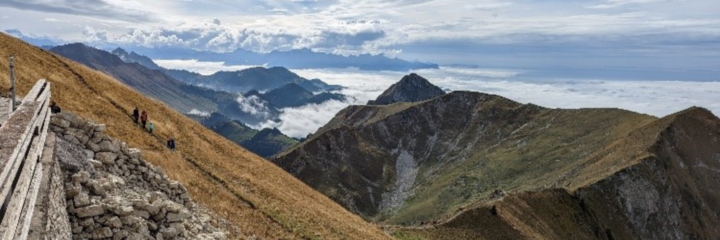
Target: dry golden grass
{"points": [[253, 194]]}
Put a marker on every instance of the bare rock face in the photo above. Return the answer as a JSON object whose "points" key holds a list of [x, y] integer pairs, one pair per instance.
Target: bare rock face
{"points": [[411, 88], [120, 196]]}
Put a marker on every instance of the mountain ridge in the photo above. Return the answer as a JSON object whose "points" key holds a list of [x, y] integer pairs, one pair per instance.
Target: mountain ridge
{"points": [[153, 83], [427, 140]]}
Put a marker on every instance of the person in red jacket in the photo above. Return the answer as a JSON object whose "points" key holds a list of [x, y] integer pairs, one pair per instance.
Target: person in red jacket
{"points": [[144, 118]]}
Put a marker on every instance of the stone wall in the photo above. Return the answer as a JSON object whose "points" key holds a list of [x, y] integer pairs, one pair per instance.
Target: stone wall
{"points": [[112, 192]]}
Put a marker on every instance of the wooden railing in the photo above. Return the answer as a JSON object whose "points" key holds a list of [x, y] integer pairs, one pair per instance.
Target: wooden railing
{"points": [[22, 139]]}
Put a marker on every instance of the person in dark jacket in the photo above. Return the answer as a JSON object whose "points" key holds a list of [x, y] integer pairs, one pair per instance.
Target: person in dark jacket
{"points": [[136, 115], [171, 144], [144, 118], [54, 108]]}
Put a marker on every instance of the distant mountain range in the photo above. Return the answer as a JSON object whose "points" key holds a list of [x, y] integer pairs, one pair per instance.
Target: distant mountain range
{"points": [[133, 57], [300, 58], [257, 78], [227, 113], [153, 83]]}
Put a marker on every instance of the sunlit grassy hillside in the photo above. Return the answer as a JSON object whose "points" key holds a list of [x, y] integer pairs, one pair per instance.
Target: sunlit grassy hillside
{"points": [[255, 195]]}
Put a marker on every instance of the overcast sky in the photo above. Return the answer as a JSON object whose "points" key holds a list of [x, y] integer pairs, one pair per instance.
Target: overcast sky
{"points": [[674, 35]]}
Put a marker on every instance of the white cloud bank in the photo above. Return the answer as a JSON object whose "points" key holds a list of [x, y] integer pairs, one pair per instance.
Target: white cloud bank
{"points": [[657, 98], [197, 112], [204, 68], [253, 105], [298, 122]]}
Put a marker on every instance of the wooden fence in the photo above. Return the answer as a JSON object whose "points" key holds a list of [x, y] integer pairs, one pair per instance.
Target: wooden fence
{"points": [[22, 139]]}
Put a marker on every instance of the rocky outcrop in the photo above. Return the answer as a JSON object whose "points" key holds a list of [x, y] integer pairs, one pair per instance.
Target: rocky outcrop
{"points": [[111, 192], [411, 88]]}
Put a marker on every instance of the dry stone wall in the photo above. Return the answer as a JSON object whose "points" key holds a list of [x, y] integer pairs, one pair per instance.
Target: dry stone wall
{"points": [[112, 193]]}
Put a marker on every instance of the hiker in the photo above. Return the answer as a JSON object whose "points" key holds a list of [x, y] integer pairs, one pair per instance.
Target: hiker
{"points": [[136, 115], [171, 144], [150, 127], [143, 118], [54, 108]]}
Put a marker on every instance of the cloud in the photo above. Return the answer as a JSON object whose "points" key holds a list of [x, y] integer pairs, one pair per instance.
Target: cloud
{"points": [[254, 105], [198, 113], [216, 21], [92, 8], [619, 3], [205, 68], [222, 38], [298, 122], [658, 98]]}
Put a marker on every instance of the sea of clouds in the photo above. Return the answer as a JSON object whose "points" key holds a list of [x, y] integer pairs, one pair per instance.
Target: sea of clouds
{"points": [[657, 98]]}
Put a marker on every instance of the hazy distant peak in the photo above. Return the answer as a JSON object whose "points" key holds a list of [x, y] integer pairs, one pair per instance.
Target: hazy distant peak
{"points": [[119, 51]]}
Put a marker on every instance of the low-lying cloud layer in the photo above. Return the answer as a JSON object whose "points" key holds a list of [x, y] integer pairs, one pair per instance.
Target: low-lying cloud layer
{"points": [[254, 105], [657, 98], [299, 122], [204, 68]]}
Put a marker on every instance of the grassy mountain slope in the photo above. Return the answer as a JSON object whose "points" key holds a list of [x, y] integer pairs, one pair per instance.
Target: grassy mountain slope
{"points": [[258, 197], [660, 182], [410, 163]]}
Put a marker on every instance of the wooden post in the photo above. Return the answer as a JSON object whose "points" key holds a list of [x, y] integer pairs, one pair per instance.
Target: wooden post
{"points": [[12, 83]]}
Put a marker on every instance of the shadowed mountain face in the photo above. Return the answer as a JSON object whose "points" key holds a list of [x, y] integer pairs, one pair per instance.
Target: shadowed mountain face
{"points": [[294, 95], [477, 166], [265, 143], [411, 88]]}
